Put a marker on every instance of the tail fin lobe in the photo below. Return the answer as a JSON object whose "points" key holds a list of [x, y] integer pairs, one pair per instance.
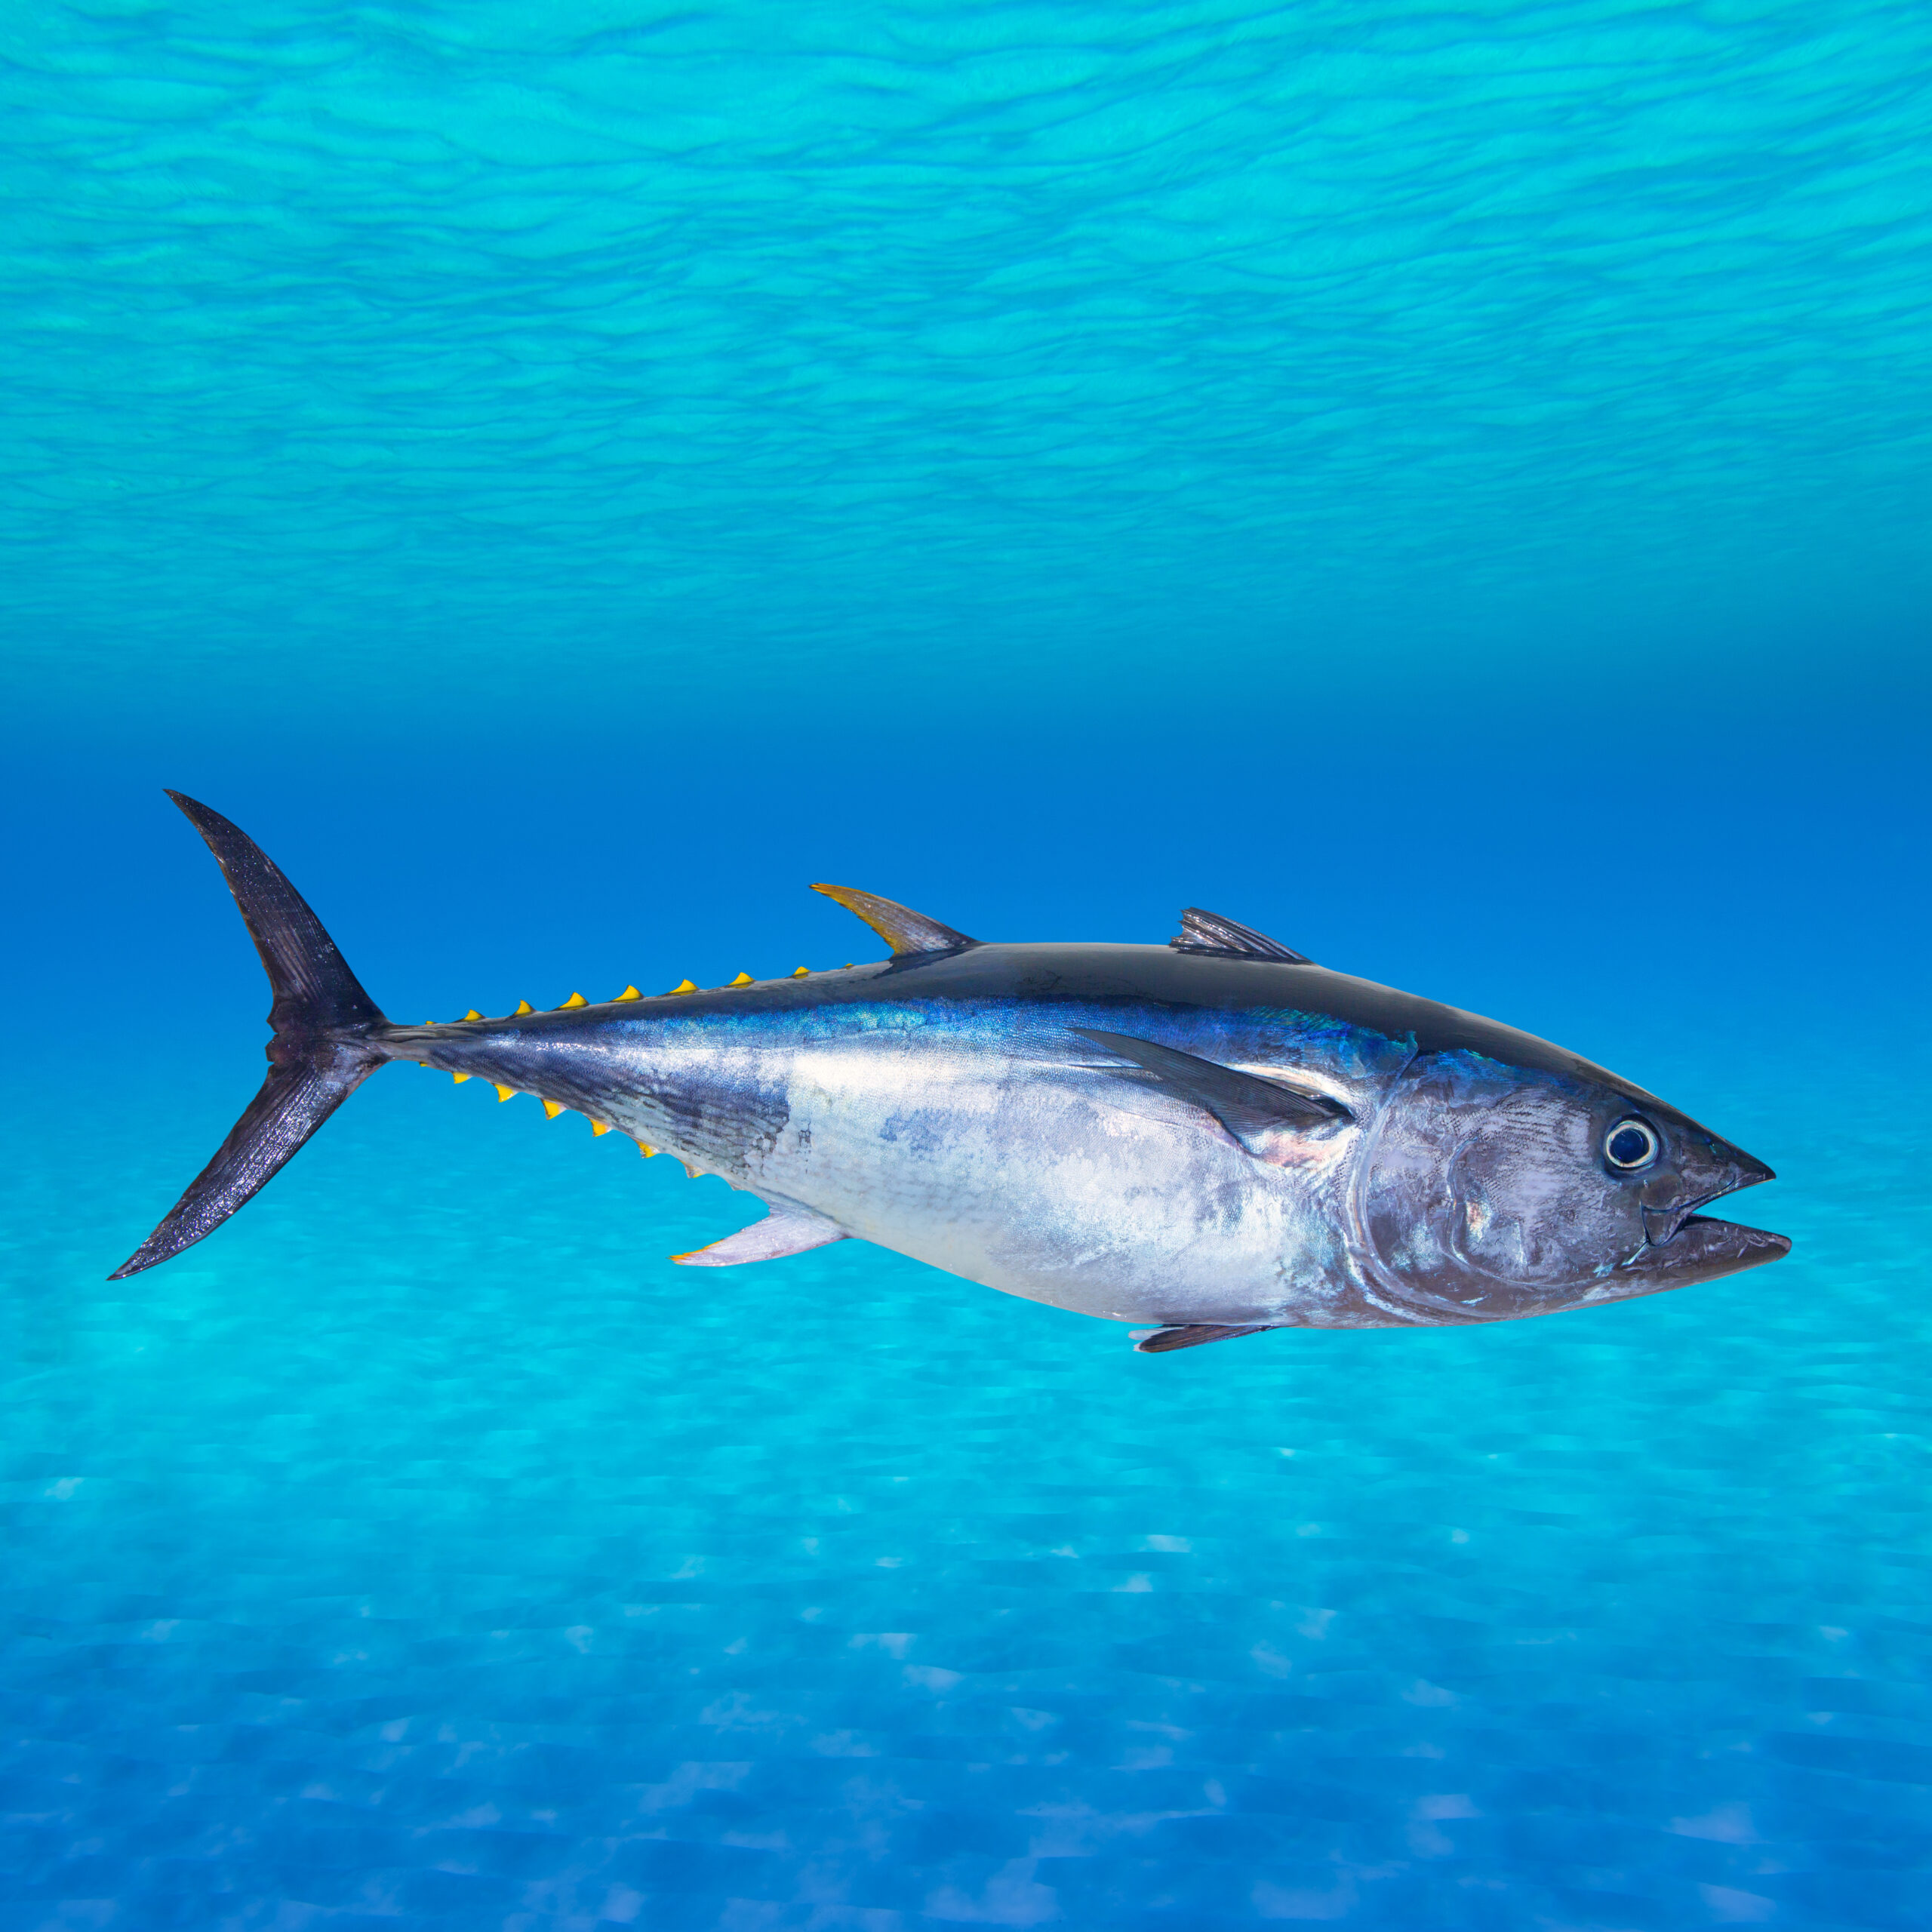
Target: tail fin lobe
{"points": [[294, 1100], [323, 1048], [310, 979]]}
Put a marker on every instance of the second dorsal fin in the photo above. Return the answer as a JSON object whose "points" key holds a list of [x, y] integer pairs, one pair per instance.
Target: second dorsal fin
{"points": [[1208, 932], [903, 929]]}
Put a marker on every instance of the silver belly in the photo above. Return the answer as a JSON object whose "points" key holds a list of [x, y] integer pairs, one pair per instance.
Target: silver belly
{"points": [[1052, 1184]]}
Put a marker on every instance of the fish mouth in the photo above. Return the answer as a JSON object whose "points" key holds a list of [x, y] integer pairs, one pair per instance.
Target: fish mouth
{"points": [[1701, 1248], [1662, 1224], [1691, 1245], [1695, 1247]]}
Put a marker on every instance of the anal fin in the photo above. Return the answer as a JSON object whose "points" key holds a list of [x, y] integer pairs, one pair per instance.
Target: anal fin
{"points": [[1188, 1335], [786, 1230]]}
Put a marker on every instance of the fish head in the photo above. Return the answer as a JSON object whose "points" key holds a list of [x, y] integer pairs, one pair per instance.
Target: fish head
{"points": [[1494, 1191]]}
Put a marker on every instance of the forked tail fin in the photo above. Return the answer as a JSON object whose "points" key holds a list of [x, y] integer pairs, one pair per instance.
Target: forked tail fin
{"points": [[323, 1048]]}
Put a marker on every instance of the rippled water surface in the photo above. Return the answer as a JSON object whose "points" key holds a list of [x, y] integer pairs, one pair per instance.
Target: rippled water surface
{"points": [[832, 329], [1446, 485]]}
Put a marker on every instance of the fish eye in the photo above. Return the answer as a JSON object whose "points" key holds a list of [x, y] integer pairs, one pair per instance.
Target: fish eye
{"points": [[1629, 1145]]}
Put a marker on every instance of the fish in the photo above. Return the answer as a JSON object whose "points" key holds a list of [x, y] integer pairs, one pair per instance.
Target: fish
{"points": [[1210, 1138]]}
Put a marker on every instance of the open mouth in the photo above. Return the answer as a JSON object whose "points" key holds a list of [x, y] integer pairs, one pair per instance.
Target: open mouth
{"points": [[1701, 1249], [1661, 1224], [1680, 1240]]}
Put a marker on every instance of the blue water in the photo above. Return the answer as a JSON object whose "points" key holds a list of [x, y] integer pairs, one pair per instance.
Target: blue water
{"points": [[1448, 487]]}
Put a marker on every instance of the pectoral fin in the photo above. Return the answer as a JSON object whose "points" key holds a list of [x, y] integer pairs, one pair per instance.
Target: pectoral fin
{"points": [[1263, 1115], [786, 1230]]}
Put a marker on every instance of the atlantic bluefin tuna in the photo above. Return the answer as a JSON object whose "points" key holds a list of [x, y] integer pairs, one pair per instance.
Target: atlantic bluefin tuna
{"points": [[1211, 1137]]}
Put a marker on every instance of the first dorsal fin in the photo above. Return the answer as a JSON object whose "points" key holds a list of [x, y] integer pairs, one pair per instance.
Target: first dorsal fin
{"points": [[903, 929], [1208, 932]]}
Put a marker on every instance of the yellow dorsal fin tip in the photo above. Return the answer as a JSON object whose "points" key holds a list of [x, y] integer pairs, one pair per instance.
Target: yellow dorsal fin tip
{"points": [[630, 992], [743, 979], [685, 986], [523, 1006], [799, 972], [472, 1014], [575, 999], [903, 929]]}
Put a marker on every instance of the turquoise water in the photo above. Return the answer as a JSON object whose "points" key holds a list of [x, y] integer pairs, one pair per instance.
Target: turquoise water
{"points": [[1447, 487]]}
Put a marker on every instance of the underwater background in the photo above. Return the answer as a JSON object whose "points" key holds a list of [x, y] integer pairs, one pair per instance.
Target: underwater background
{"points": [[1447, 486]]}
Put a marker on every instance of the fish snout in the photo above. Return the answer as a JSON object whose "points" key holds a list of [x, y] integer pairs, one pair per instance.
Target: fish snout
{"points": [[1705, 1169]]}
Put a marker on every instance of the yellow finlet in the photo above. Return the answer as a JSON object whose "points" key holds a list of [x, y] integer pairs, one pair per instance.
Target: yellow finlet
{"points": [[575, 999], [743, 979], [523, 1006], [461, 1077], [690, 1172], [552, 1108], [599, 1126], [472, 1014], [505, 1093], [647, 1152], [630, 992], [685, 986], [800, 972]]}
